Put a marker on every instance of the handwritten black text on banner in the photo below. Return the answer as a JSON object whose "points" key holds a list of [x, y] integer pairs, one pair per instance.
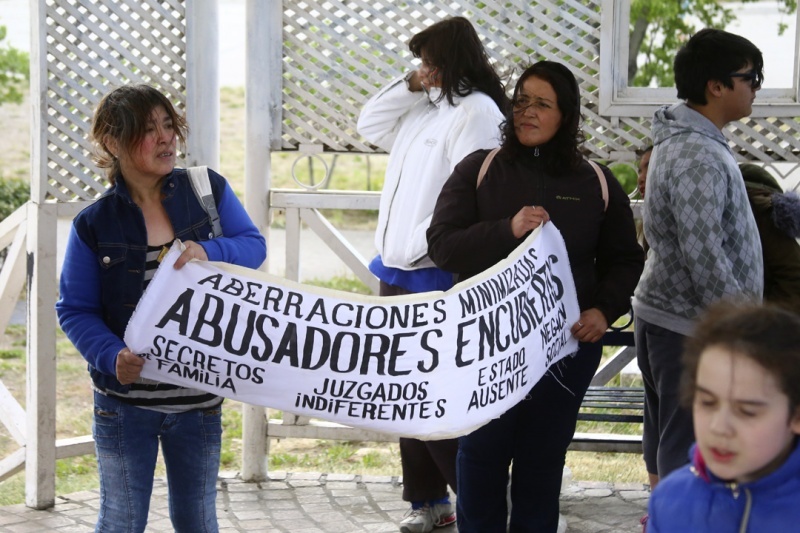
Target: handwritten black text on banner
{"points": [[431, 365]]}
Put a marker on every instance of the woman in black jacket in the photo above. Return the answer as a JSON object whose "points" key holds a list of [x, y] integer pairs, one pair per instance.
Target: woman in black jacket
{"points": [[538, 175]]}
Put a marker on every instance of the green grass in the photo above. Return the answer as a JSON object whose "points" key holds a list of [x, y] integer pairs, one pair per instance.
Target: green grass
{"points": [[339, 457], [342, 283], [232, 438], [12, 353], [607, 467]]}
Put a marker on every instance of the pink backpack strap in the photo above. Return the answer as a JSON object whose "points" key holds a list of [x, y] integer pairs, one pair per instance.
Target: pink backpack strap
{"points": [[600, 176], [485, 166], [603, 184]]}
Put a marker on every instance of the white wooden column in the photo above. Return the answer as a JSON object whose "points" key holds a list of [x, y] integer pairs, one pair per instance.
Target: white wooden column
{"points": [[202, 83], [40, 406], [264, 42], [38, 93]]}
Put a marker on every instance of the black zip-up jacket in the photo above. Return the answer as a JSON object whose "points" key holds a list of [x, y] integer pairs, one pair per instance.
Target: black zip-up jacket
{"points": [[471, 228]]}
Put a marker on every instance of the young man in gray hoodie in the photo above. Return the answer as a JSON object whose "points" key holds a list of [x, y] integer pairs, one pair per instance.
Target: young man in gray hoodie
{"points": [[704, 244]]}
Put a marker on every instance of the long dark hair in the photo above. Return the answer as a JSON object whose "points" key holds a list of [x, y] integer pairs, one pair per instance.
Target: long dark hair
{"points": [[124, 114], [452, 46], [562, 152]]}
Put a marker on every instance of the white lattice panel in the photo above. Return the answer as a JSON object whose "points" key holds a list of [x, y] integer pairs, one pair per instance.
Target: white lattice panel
{"points": [[93, 46], [338, 53]]}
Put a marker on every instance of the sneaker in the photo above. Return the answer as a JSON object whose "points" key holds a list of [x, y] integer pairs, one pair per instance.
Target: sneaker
{"points": [[443, 515], [417, 521]]}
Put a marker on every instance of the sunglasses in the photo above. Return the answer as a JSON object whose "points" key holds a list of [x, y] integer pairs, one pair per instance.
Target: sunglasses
{"points": [[752, 76]]}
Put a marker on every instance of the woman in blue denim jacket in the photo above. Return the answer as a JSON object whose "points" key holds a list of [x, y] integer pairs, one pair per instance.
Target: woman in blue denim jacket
{"points": [[113, 251]]}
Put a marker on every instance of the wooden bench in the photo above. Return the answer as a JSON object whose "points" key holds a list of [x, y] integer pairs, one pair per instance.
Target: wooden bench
{"points": [[610, 404], [603, 403]]}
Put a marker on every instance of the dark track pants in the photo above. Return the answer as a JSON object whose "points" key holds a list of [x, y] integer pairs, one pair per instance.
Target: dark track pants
{"points": [[428, 466]]}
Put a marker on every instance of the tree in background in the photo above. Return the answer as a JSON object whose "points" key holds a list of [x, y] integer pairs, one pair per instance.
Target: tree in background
{"points": [[14, 73], [13, 83], [659, 28]]}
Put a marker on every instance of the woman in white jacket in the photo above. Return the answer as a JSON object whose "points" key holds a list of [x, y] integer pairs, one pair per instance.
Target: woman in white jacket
{"points": [[428, 121]]}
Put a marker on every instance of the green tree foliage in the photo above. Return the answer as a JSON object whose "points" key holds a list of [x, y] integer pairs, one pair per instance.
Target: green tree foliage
{"points": [[659, 27], [14, 71], [626, 176], [13, 193]]}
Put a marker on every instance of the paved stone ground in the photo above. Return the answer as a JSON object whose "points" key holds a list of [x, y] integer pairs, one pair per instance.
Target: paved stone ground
{"points": [[325, 503]]}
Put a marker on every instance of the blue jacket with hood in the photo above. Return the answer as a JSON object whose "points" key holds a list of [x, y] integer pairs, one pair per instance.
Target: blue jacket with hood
{"points": [[693, 500]]}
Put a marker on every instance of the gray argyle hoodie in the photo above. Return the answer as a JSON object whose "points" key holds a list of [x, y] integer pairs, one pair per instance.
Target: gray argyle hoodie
{"points": [[704, 244]]}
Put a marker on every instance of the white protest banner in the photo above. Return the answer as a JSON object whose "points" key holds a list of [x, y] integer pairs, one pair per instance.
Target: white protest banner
{"points": [[432, 365]]}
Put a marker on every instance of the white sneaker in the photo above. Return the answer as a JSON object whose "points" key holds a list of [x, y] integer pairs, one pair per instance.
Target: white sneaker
{"points": [[443, 515], [417, 521]]}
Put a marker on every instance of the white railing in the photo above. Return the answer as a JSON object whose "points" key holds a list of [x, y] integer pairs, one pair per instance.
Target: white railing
{"points": [[32, 228], [303, 207], [13, 230]]}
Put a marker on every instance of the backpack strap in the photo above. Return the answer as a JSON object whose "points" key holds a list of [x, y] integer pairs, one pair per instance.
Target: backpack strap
{"points": [[603, 184], [600, 176], [485, 166], [201, 185]]}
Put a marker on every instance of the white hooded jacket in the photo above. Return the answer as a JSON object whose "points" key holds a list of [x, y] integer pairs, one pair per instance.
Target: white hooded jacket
{"points": [[425, 141]]}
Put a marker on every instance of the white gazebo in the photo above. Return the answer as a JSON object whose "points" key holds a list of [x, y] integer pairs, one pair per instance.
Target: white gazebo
{"points": [[310, 65]]}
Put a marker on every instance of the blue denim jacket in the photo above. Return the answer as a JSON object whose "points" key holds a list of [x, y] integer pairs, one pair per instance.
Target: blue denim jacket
{"points": [[102, 277]]}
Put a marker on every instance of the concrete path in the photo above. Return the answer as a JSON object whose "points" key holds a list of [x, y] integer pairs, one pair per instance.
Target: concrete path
{"points": [[325, 503]]}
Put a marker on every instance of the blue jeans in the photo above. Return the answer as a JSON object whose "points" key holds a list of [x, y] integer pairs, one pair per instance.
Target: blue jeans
{"points": [[126, 439], [534, 434]]}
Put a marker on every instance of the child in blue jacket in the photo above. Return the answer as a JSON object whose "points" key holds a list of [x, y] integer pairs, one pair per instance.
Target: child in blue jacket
{"points": [[742, 379]]}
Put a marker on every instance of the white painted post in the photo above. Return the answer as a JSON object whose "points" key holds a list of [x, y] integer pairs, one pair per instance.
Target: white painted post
{"points": [[264, 45], [40, 451], [202, 83], [40, 406], [38, 92], [294, 227]]}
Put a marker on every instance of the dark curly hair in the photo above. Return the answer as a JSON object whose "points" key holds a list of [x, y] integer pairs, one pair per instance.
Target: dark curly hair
{"points": [[452, 45], [561, 153]]}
